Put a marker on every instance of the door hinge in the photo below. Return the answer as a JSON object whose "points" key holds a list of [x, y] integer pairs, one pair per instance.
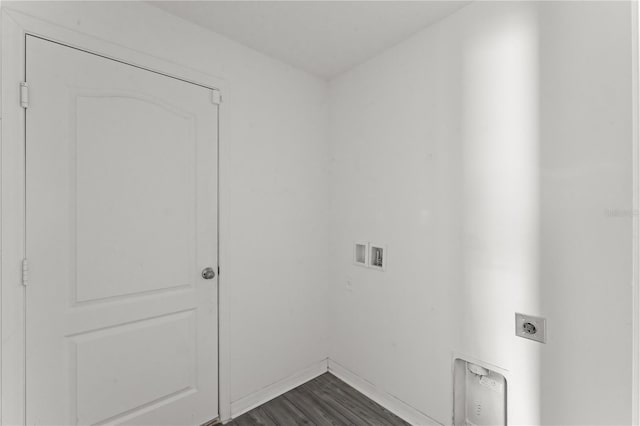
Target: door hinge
{"points": [[216, 96], [25, 272], [24, 94]]}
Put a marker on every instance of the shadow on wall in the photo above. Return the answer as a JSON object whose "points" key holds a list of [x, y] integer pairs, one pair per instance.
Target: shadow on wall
{"points": [[586, 172]]}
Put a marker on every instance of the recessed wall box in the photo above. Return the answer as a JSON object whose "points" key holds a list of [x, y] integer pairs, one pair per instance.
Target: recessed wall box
{"points": [[479, 395], [377, 256], [361, 253]]}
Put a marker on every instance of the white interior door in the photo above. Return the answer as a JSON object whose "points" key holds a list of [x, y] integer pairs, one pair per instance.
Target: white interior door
{"points": [[121, 220]]}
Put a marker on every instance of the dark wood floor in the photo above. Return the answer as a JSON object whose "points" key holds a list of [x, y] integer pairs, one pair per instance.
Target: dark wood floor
{"points": [[325, 400]]}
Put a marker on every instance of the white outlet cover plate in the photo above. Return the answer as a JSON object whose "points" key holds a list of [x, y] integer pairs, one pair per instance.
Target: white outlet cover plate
{"points": [[540, 324]]}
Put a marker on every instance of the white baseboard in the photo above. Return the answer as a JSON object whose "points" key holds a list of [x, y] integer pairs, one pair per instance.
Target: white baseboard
{"points": [[276, 389], [390, 402]]}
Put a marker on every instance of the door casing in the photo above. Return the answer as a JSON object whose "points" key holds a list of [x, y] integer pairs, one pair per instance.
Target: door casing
{"points": [[15, 27]]}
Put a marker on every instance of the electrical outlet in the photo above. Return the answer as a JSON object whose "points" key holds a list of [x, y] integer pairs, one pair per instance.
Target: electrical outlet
{"points": [[530, 327]]}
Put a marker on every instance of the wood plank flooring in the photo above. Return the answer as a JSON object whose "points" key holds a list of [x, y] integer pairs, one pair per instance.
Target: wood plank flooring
{"points": [[325, 400]]}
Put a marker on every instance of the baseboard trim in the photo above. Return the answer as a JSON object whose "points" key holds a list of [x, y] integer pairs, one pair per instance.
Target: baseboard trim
{"points": [[390, 402], [276, 389]]}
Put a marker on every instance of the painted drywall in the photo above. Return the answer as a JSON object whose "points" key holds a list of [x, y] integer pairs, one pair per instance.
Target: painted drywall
{"points": [[491, 153], [274, 171]]}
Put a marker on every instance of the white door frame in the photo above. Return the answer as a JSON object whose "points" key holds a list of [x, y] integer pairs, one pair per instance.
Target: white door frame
{"points": [[15, 27], [635, 214]]}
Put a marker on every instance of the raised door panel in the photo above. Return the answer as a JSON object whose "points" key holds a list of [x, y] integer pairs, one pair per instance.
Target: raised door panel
{"points": [[135, 158]]}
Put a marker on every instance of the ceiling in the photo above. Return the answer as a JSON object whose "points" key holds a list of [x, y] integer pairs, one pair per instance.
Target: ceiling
{"points": [[324, 38]]}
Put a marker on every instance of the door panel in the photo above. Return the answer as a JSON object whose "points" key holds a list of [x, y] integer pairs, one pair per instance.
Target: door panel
{"points": [[117, 368], [157, 253], [121, 219]]}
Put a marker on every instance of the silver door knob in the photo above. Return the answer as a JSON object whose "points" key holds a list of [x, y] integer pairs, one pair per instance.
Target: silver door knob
{"points": [[208, 273]]}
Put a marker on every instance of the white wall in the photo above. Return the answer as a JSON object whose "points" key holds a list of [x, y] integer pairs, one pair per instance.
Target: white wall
{"points": [[586, 162], [274, 170], [485, 152]]}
